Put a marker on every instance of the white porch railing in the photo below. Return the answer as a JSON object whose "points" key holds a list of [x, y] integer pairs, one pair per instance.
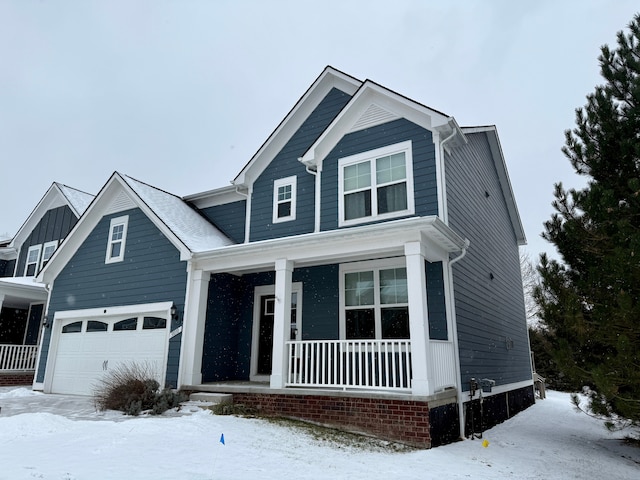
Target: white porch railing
{"points": [[18, 357], [362, 364]]}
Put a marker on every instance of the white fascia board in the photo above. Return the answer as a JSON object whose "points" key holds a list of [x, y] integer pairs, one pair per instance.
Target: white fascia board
{"points": [[368, 94], [503, 174], [218, 196], [159, 307], [327, 80], [19, 287], [347, 244], [53, 198], [90, 219]]}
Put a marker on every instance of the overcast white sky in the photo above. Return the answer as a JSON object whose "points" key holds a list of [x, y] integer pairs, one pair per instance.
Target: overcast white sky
{"points": [[180, 94]]}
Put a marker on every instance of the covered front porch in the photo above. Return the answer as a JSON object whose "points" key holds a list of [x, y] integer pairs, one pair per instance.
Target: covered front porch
{"points": [[348, 311], [21, 309]]}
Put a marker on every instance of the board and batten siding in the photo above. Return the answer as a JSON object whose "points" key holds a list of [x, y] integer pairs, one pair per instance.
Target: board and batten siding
{"points": [[489, 300], [150, 272], [436, 304], [229, 218], [424, 166], [286, 164], [7, 267], [55, 224]]}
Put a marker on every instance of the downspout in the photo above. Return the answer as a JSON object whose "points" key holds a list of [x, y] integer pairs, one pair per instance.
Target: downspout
{"points": [[454, 326], [247, 214], [445, 212], [316, 207]]}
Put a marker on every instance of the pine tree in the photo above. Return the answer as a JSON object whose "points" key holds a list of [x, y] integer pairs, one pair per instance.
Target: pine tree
{"points": [[590, 302]]}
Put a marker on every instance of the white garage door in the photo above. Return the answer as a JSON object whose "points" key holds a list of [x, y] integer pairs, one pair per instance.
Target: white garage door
{"points": [[87, 349]]}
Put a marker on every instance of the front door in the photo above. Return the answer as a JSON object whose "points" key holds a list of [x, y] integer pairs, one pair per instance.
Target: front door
{"points": [[264, 313]]}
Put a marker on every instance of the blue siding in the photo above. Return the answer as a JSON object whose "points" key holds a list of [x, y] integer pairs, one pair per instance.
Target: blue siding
{"points": [[492, 330], [436, 302], [286, 164], [151, 272], [33, 324], [7, 267], [55, 224], [424, 167], [229, 218]]}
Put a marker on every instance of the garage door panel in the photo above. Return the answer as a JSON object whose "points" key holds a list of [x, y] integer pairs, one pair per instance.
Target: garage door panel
{"points": [[83, 358]]}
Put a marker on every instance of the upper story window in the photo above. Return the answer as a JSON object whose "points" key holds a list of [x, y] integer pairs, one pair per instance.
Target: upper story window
{"points": [[376, 185], [33, 260], [47, 252], [284, 199], [374, 300], [117, 239]]}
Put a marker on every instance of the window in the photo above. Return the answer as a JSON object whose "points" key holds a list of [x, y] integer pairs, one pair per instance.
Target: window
{"points": [[128, 324], [96, 326], [376, 185], [74, 327], [152, 323], [117, 239], [33, 259], [375, 301], [284, 199], [47, 252]]}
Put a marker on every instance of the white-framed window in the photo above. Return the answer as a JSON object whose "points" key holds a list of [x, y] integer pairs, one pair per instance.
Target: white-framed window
{"points": [[284, 199], [117, 239], [376, 185], [33, 260], [374, 301], [47, 252]]}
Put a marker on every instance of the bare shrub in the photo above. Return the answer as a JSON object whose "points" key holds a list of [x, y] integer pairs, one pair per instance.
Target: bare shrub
{"points": [[132, 389]]}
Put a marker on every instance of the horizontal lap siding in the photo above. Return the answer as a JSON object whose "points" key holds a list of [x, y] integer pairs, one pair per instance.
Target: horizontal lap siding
{"points": [[424, 167], [55, 224], [490, 312], [229, 218], [150, 272], [286, 164]]}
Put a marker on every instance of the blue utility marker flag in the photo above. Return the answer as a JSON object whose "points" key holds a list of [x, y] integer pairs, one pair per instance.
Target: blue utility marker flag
{"points": [[222, 439]]}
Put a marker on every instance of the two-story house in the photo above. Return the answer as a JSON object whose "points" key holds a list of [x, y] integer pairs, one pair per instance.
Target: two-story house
{"points": [[22, 299], [362, 270]]}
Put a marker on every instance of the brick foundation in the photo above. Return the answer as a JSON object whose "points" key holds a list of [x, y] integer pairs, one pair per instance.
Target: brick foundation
{"points": [[405, 421], [16, 378]]}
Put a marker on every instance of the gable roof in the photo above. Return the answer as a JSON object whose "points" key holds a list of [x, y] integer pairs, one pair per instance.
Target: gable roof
{"points": [[183, 226], [505, 183], [330, 78], [56, 196]]}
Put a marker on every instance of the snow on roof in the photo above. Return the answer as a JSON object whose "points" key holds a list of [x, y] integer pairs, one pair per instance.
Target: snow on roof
{"points": [[77, 199], [188, 225]]}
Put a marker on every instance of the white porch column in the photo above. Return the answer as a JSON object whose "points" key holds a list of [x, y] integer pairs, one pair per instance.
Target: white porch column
{"points": [[281, 322], [422, 383], [193, 328]]}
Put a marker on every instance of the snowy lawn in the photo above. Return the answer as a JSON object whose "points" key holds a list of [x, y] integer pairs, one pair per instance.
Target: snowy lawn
{"points": [[62, 437]]}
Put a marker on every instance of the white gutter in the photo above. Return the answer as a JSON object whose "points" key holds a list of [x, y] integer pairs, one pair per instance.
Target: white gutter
{"points": [[317, 174]]}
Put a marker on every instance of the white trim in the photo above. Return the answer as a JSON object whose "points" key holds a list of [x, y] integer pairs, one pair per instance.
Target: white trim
{"points": [[116, 222], [369, 265], [259, 291], [32, 248], [247, 215], [162, 309], [277, 184], [372, 156], [53, 244]]}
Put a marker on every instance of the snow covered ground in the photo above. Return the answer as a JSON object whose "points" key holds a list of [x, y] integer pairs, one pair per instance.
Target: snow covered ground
{"points": [[62, 437]]}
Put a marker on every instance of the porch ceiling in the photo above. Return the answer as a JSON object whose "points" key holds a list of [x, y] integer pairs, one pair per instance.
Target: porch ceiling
{"points": [[19, 292], [347, 244]]}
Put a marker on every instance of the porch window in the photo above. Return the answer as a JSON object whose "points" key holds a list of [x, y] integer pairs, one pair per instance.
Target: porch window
{"points": [[117, 239], [376, 303], [33, 259], [284, 199], [376, 185]]}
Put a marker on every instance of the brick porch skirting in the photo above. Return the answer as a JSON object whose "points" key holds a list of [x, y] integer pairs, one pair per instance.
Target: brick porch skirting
{"points": [[16, 378]]}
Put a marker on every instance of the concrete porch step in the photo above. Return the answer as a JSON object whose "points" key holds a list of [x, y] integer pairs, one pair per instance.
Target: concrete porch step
{"points": [[214, 398]]}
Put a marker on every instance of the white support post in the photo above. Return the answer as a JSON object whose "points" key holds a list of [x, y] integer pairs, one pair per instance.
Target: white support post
{"points": [[281, 322], [422, 382], [193, 328]]}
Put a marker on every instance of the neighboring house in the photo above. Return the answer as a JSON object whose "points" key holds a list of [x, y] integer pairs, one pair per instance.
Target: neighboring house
{"points": [[362, 270], [22, 299]]}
